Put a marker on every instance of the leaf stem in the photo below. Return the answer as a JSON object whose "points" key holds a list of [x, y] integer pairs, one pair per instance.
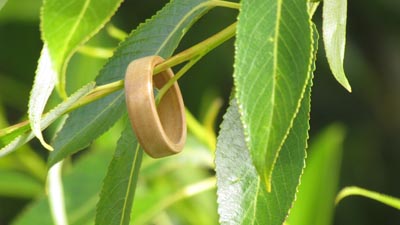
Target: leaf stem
{"points": [[115, 32], [382, 198], [96, 52], [201, 132], [178, 75], [197, 50]]}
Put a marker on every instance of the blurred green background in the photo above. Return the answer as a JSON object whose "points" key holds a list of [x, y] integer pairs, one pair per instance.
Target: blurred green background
{"points": [[371, 114]]}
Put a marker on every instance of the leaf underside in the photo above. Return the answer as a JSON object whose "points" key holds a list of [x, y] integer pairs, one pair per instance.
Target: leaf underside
{"points": [[334, 14], [272, 64], [242, 198], [158, 36], [65, 24]]}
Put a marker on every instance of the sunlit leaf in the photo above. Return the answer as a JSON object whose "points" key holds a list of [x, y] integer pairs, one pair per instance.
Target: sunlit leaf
{"points": [[68, 23], [65, 25], [379, 197], [119, 184], [334, 13], [315, 199], [158, 36], [47, 119], [272, 63], [242, 197]]}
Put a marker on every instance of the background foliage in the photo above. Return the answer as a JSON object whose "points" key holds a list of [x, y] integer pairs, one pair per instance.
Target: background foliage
{"points": [[370, 114]]}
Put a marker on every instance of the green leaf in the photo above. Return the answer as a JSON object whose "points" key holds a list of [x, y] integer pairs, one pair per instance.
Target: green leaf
{"points": [[382, 198], [68, 23], [158, 36], [321, 173], [46, 120], [242, 198], [65, 25], [119, 185], [334, 14], [81, 188], [272, 64]]}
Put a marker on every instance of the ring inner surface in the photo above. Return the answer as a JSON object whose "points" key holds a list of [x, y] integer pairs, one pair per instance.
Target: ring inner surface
{"points": [[168, 109]]}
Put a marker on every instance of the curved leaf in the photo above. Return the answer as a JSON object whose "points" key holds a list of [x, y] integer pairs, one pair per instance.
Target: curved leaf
{"points": [[119, 185], [272, 64], [334, 13], [382, 198], [158, 36], [65, 25], [242, 199], [45, 80], [68, 23], [46, 120]]}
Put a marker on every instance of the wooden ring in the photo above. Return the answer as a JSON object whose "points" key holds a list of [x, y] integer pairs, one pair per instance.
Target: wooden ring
{"points": [[160, 130]]}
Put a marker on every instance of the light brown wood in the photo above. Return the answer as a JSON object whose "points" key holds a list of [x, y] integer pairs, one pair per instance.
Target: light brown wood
{"points": [[161, 130]]}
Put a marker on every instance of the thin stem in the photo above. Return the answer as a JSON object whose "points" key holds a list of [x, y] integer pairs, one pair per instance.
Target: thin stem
{"points": [[227, 4], [201, 48], [100, 91], [212, 113], [115, 32], [200, 131], [198, 49], [97, 52], [178, 75]]}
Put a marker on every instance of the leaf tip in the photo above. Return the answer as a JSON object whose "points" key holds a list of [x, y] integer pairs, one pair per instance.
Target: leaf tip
{"points": [[44, 143], [267, 182]]}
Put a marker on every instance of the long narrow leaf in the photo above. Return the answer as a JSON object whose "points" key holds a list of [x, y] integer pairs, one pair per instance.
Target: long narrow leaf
{"points": [[47, 119], [119, 185], [379, 197], [45, 80], [272, 64], [334, 13], [158, 36], [65, 25], [68, 23], [242, 198]]}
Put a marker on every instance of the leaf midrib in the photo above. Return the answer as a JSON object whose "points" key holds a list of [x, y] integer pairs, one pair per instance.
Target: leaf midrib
{"points": [[74, 28], [129, 189]]}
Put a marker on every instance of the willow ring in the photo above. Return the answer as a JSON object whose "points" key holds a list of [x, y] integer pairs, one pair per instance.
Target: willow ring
{"points": [[161, 129]]}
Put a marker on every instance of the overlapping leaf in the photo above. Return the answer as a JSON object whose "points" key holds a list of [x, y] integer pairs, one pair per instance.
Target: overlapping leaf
{"points": [[20, 136], [272, 63], [68, 23], [334, 36], [119, 185], [65, 25], [158, 36], [316, 196], [242, 197]]}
